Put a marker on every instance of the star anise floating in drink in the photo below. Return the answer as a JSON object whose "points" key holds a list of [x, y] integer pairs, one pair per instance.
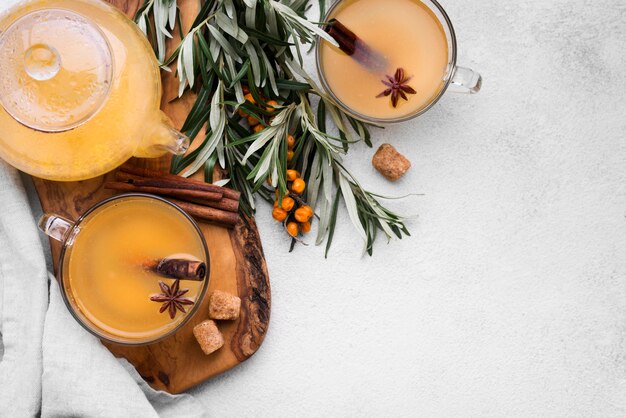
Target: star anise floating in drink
{"points": [[172, 298], [397, 87]]}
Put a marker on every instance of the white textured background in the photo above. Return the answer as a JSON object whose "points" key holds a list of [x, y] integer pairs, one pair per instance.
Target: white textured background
{"points": [[509, 299]]}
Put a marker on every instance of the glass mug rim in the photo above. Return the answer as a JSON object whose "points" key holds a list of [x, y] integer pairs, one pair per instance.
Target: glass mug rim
{"points": [[370, 119], [85, 323]]}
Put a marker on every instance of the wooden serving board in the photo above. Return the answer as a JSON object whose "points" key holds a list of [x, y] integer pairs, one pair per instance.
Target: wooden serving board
{"points": [[237, 266]]}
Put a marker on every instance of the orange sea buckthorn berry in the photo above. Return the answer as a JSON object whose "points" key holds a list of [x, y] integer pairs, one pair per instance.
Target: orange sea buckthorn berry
{"points": [[298, 186], [279, 214], [306, 227], [249, 98], [258, 128], [276, 193], [289, 155], [308, 210], [275, 203], [292, 175], [271, 105], [252, 121], [302, 215], [291, 141], [242, 113], [292, 229], [288, 203]]}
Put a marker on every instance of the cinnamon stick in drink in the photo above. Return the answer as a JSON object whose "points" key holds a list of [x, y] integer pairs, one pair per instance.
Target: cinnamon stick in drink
{"points": [[353, 46], [182, 269], [178, 268]]}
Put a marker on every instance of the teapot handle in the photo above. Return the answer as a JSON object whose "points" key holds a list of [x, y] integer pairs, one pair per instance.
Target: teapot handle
{"points": [[160, 138]]}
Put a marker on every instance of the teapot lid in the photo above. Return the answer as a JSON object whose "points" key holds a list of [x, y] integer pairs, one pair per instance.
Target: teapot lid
{"points": [[57, 69]]}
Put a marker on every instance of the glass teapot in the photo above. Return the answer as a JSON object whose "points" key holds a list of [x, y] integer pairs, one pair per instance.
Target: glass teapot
{"points": [[80, 90]]}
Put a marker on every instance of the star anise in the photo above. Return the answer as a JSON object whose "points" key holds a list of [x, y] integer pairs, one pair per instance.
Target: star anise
{"points": [[172, 298], [397, 87]]}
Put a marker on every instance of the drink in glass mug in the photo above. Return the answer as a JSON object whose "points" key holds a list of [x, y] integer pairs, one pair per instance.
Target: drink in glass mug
{"points": [[413, 36], [107, 267]]}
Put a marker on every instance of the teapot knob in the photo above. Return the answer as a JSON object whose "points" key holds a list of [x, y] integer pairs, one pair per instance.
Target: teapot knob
{"points": [[42, 62]]}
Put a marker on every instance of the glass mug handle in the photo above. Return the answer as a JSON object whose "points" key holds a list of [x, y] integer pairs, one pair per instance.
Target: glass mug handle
{"points": [[55, 226], [465, 80]]}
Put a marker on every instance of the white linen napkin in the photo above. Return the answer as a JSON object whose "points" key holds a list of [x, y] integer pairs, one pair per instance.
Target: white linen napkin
{"points": [[48, 363]]}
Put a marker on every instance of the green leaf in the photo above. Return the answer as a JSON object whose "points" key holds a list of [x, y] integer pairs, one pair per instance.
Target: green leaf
{"points": [[270, 72], [217, 121], [292, 85], [321, 116], [241, 74], [187, 61], [254, 62], [209, 167], [264, 137], [301, 23], [229, 26], [322, 4], [230, 9], [353, 212], [332, 223], [227, 46], [263, 36]]}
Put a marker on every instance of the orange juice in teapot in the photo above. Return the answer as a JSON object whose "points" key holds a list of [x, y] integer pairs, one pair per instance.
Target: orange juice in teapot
{"points": [[80, 91]]}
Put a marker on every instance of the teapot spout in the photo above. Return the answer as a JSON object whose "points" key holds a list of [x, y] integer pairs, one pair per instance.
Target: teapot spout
{"points": [[161, 138]]}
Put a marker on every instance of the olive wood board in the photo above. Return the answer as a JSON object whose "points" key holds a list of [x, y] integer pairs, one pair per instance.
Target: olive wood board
{"points": [[237, 265]]}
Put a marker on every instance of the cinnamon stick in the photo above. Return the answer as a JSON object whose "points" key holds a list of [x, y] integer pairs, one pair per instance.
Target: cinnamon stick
{"points": [[200, 200], [177, 184], [158, 189], [148, 173], [182, 269], [229, 205], [178, 268], [192, 196], [226, 218], [195, 196], [353, 46], [344, 36]]}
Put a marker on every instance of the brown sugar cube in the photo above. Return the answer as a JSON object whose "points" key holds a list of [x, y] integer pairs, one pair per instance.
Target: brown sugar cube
{"points": [[209, 337], [390, 163], [224, 306]]}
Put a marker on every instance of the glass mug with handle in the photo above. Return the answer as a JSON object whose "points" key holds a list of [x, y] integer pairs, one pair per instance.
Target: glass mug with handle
{"points": [[395, 60], [119, 263]]}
